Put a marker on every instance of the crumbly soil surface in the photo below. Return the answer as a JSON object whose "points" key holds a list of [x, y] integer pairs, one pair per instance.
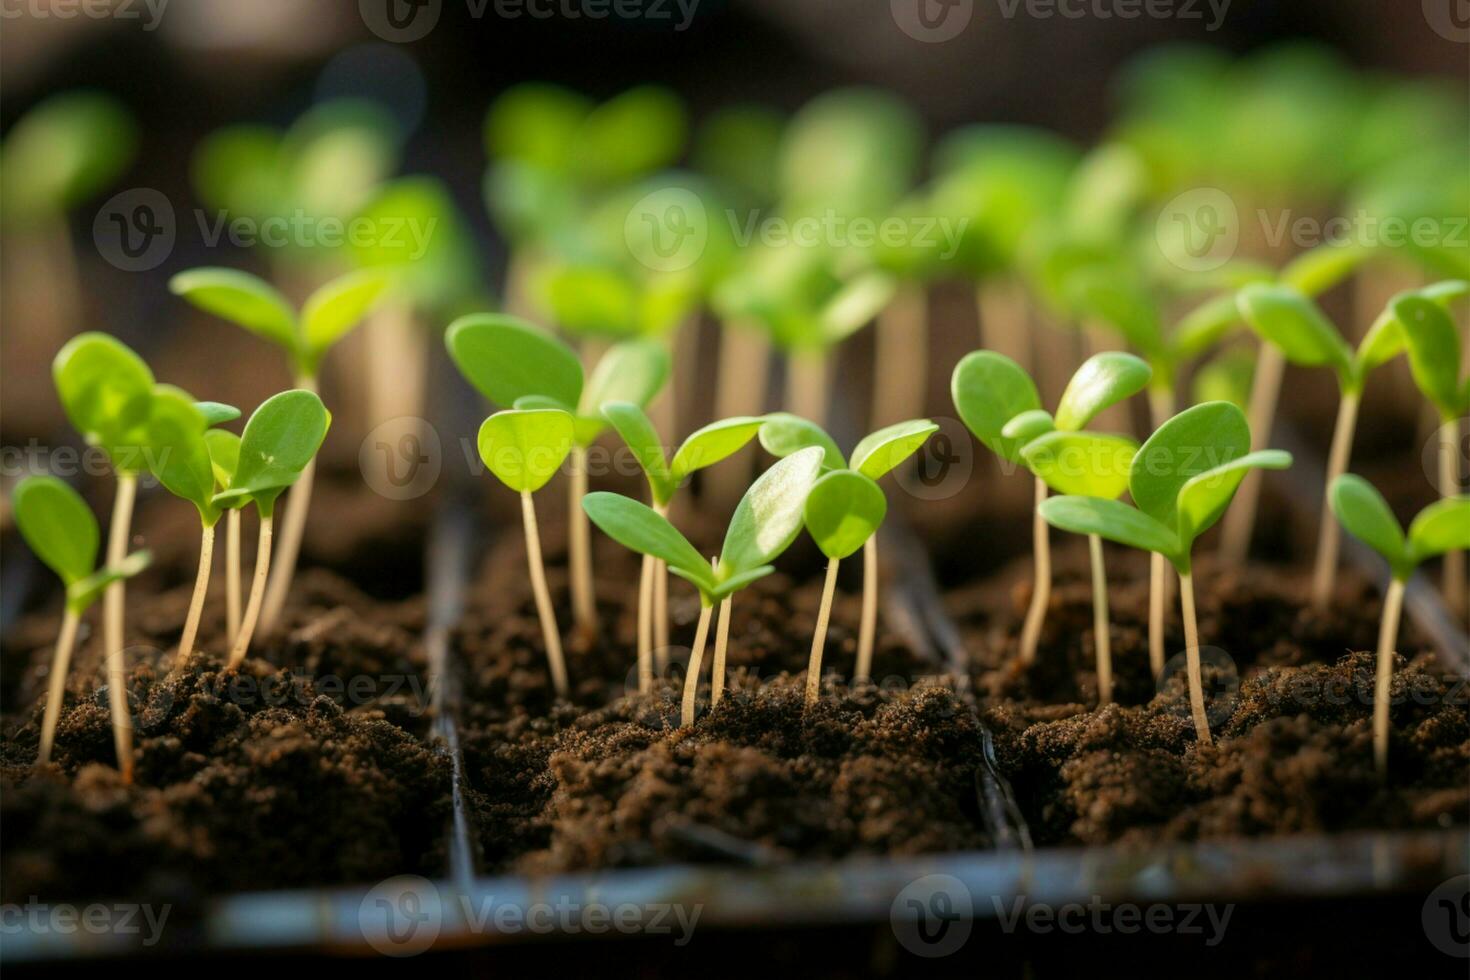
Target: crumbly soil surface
{"points": [[1290, 694], [309, 765]]}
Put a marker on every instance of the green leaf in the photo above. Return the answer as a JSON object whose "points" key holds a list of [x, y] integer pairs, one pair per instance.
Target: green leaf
{"points": [[178, 455], [244, 300], [843, 510], [217, 413], [1087, 464], [1205, 496], [633, 371], [525, 447], [336, 308], [280, 439], [631, 134], [1029, 425], [885, 449], [107, 393], [1205, 326], [506, 358], [1290, 321], [989, 390], [81, 594], [58, 525], [1195, 441], [537, 124], [224, 455], [66, 149], [855, 305], [713, 443], [1361, 509], [1124, 305], [1319, 269], [784, 433], [769, 516], [642, 529], [1115, 521], [1226, 378], [1434, 350], [643, 441], [734, 583], [1103, 380], [1442, 526]]}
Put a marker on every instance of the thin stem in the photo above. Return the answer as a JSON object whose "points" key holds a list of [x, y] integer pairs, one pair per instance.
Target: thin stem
{"points": [[901, 357], [722, 640], [1235, 532], [1191, 654], [819, 637], [584, 603], [1160, 591], [196, 602], [661, 606], [232, 574], [645, 625], [543, 597], [66, 641], [1324, 574], [1388, 631], [1100, 638], [691, 679], [1455, 589], [807, 383], [1041, 593], [257, 592], [293, 529], [113, 601], [741, 388], [397, 353], [868, 625]]}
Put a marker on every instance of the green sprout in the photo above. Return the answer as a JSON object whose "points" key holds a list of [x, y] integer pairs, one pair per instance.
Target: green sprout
{"points": [[276, 450], [1181, 481], [706, 447], [1070, 460], [61, 529], [843, 511], [181, 462], [329, 314], [766, 522], [107, 393], [515, 365], [224, 459], [876, 455], [524, 448], [1440, 528]]}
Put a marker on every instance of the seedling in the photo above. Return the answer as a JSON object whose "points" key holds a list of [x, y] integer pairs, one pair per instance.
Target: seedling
{"points": [[276, 450], [107, 392], [766, 522], [224, 457], [1440, 528], [524, 448], [1072, 461], [1181, 481], [514, 365], [180, 460], [62, 531], [706, 447], [843, 512], [1289, 321], [329, 314], [873, 457]]}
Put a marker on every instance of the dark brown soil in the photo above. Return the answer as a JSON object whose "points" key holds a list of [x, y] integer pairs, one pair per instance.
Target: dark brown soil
{"points": [[308, 766], [1290, 694]]}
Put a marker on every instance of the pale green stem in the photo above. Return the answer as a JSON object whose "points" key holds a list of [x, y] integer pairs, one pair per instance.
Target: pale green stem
{"points": [[1041, 593], [196, 601], [1101, 639], [819, 637], [868, 625], [696, 657], [1240, 522], [549, 633], [66, 641], [293, 530], [1388, 630], [113, 601], [1324, 574], [1191, 654], [257, 592]]}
